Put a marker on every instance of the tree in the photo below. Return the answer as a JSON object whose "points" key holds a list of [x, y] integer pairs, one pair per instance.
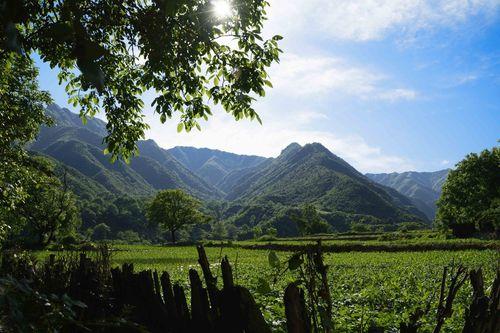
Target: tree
{"points": [[174, 210], [101, 232], [470, 199], [110, 52], [49, 210], [22, 107], [309, 221]]}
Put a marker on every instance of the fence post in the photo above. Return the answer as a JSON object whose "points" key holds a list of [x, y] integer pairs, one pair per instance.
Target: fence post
{"points": [[297, 318]]}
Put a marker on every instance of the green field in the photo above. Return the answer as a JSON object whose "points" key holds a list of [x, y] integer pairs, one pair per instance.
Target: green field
{"points": [[377, 287]]}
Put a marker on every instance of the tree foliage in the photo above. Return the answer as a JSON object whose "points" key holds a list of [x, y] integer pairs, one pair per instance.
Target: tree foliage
{"points": [[471, 194], [178, 49], [22, 112], [309, 221], [49, 210], [174, 210]]}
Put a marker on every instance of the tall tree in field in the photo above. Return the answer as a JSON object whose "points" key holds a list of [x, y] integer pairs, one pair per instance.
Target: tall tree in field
{"points": [[189, 52], [174, 210], [470, 200]]}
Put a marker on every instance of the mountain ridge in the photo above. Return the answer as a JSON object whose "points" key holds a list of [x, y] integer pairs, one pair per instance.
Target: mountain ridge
{"points": [[424, 188]]}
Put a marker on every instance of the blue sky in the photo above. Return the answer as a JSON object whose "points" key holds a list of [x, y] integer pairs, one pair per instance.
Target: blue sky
{"points": [[391, 85]]}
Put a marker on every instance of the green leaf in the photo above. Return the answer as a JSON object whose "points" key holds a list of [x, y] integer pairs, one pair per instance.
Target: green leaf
{"points": [[274, 260], [263, 286], [180, 127]]}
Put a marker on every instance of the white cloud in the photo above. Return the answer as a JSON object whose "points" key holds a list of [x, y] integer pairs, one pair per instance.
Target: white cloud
{"points": [[308, 116], [364, 20], [445, 162], [325, 75], [464, 78], [398, 94], [245, 137]]}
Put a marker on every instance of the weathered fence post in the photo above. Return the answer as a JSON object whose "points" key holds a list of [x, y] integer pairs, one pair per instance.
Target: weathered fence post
{"points": [[483, 315], [200, 308], [297, 317]]}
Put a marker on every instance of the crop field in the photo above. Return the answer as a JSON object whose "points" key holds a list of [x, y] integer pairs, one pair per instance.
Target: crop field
{"points": [[367, 287]]}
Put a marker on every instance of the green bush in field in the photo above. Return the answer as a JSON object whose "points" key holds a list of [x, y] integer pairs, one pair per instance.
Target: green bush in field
{"points": [[470, 200]]}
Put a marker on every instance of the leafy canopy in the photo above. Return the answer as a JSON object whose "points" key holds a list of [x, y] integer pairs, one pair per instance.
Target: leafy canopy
{"points": [[180, 50], [22, 112], [471, 193], [174, 210], [49, 210]]}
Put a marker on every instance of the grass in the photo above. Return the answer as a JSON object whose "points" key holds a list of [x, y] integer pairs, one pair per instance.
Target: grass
{"points": [[367, 287]]}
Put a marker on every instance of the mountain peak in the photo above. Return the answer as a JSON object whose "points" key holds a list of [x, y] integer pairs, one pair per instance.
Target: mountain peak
{"points": [[292, 147], [65, 118], [316, 146]]}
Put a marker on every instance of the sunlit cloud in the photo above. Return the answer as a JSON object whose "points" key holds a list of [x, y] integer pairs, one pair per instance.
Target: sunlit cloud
{"points": [[324, 75], [366, 20]]}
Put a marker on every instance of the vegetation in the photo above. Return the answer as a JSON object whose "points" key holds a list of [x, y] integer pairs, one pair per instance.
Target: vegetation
{"points": [[48, 212], [22, 105], [367, 289], [173, 210], [470, 201], [309, 221], [178, 49], [423, 188]]}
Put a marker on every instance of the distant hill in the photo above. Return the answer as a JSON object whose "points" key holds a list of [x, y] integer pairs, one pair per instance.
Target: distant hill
{"points": [[423, 188], [213, 165], [312, 174], [81, 148]]}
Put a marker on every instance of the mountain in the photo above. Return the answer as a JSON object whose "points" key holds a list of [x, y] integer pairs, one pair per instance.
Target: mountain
{"points": [[213, 165], [256, 191], [81, 147], [423, 188], [312, 174]]}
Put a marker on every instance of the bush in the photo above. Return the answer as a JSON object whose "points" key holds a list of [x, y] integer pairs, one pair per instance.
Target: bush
{"points": [[26, 308], [69, 240], [129, 237], [359, 227], [101, 232]]}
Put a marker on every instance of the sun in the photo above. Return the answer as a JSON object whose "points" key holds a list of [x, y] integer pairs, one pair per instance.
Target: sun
{"points": [[222, 8]]}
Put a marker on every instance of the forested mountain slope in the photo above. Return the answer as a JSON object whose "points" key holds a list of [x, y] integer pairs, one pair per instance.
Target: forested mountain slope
{"points": [[81, 147], [424, 188], [312, 174]]}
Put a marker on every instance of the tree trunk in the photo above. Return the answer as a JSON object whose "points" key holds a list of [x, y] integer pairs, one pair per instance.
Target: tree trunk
{"points": [[173, 235]]}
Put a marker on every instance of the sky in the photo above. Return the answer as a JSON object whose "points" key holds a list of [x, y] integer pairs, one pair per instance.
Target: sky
{"points": [[388, 85]]}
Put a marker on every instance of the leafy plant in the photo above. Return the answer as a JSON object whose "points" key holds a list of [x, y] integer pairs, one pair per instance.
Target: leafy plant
{"points": [[28, 310]]}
